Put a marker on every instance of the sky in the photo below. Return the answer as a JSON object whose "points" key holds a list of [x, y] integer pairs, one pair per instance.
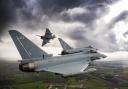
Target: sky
{"points": [[100, 23]]}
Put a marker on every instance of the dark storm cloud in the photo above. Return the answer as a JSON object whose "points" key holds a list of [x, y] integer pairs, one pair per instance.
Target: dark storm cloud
{"points": [[112, 38], [84, 38], [8, 12], [88, 18], [11, 10], [51, 7], [120, 17], [77, 34], [80, 37], [95, 10], [125, 34], [34, 14], [55, 6]]}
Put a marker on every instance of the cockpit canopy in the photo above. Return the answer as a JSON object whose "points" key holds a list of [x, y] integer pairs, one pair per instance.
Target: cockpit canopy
{"points": [[92, 51]]}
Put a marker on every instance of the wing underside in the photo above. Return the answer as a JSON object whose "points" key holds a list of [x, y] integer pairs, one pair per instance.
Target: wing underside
{"points": [[67, 68], [45, 41]]}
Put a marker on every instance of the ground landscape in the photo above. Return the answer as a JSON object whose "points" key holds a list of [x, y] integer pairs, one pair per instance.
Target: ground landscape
{"points": [[107, 77]]}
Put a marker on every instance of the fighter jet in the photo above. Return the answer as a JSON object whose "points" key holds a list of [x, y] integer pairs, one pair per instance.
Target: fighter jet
{"points": [[35, 59], [69, 50], [47, 37]]}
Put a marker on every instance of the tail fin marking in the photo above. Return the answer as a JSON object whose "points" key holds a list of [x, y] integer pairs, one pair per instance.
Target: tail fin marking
{"points": [[26, 48]]}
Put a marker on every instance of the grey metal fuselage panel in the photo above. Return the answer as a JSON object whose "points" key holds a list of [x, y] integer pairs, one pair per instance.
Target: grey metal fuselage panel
{"points": [[69, 50], [67, 64], [76, 50]]}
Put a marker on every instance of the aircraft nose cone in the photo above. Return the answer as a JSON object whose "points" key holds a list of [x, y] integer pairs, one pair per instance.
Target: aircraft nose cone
{"points": [[104, 56]]}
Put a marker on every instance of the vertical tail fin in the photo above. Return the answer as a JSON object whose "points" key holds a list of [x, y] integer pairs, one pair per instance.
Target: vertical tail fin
{"points": [[64, 44], [26, 48]]}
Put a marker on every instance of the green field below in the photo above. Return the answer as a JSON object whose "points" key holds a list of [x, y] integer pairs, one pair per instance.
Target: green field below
{"points": [[12, 78]]}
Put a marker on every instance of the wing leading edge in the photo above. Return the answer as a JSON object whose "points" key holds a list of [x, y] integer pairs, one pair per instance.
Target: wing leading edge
{"points": [[45, 41]]}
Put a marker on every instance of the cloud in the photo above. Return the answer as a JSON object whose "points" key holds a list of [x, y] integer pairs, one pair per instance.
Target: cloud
{"points": [[121, 17], [8, 10], [85, 14], [104, 42], [78, 20], [125, 34], [96, 31], [55, 6], [34, 12]]}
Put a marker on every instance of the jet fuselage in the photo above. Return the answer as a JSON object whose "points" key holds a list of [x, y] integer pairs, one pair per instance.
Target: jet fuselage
{"points": [[57, 60]]}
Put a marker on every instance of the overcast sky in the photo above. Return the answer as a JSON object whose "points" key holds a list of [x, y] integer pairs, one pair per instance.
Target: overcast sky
{"points": [[100, 23]]}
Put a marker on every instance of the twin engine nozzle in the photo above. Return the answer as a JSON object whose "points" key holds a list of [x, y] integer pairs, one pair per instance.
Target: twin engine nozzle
{"points": [[27, 67]]}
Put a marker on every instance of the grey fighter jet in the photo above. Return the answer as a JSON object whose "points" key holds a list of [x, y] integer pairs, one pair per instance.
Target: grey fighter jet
{"points": [[47, 37], [69, 50], [35, 59]]}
